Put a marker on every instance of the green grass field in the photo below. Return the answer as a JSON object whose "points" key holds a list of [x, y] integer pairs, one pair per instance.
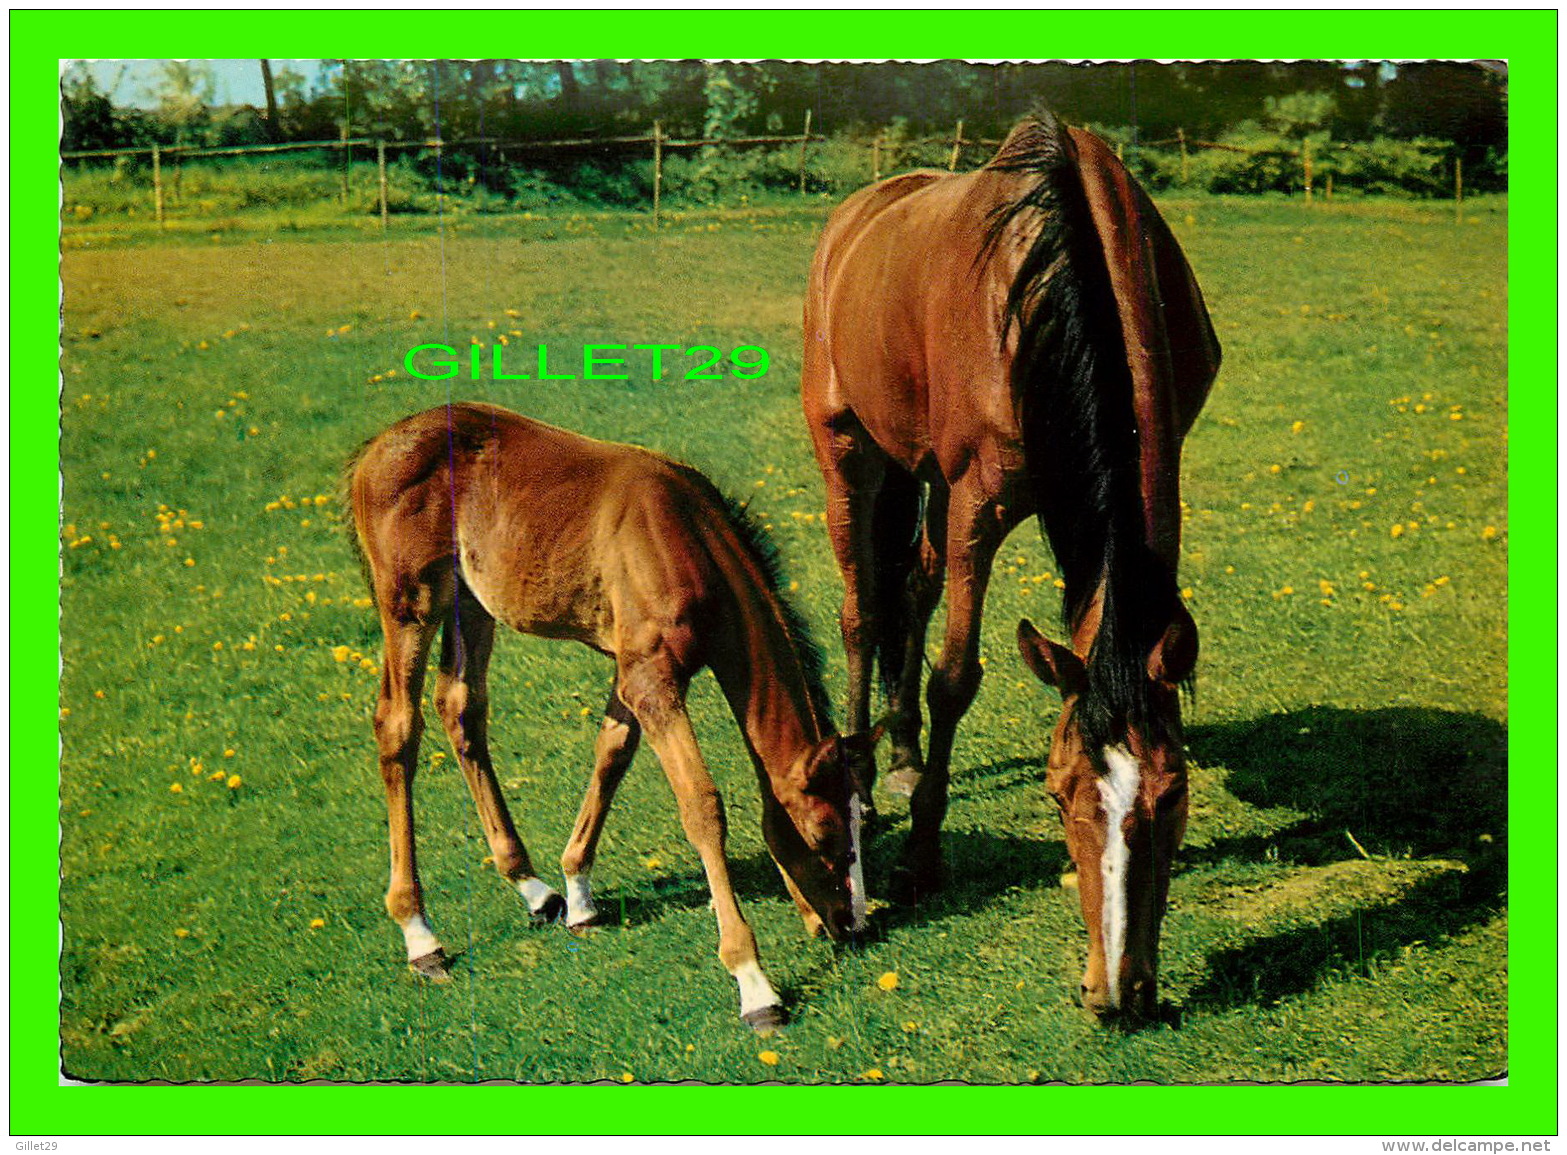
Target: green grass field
{"points": [[1339, 908]]}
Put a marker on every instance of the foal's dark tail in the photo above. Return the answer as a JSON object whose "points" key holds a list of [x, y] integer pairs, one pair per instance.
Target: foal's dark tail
{"points": [[1071, 374], [345, 501]]}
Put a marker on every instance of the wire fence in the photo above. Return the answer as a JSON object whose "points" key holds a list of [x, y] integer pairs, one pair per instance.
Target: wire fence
{"points": [[883, 151]]}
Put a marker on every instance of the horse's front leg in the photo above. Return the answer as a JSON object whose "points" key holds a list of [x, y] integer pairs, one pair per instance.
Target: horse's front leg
{"points": [[657, 699], [612, 754], [974, 532]]}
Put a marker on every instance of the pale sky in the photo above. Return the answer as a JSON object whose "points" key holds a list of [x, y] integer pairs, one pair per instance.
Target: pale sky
{"points": [[128, 82]]}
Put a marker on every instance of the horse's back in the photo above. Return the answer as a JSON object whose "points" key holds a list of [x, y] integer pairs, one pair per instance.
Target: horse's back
{"points": [[903, 317], [556, 534]]}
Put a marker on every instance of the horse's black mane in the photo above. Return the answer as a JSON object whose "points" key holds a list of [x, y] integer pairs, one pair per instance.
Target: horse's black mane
{"points": [[764, 551], [1071, 375]]}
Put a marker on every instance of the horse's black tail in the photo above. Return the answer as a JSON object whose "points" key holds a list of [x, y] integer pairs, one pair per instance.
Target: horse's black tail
{"points": [[1071, 374], [895, 531]]}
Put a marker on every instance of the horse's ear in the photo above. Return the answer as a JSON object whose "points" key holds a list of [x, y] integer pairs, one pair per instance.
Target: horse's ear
{"points": [[1174, 656], [816, 768], [1053, 664]]}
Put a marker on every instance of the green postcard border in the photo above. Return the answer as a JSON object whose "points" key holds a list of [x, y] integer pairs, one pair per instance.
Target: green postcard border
{"points": [[1526, 39]]}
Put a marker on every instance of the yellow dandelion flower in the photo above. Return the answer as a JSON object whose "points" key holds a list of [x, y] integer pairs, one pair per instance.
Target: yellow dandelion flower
{"points": [[235, 782], [1396, 531], [910, 1026], [1308, 507], [627, 1077], [1368, 586], [1442, 581], [769, 1057], [99, 694], [181, 932], [888, 981], [217, 645], [190, 561], [1275, 469], [176, 788], [1297, 426], [1488, 532], [1188, 593], [1287, 590], [873, 1074], [216, 776], [653, 863], [1460, 470], [1455, 416], [317, 923]]}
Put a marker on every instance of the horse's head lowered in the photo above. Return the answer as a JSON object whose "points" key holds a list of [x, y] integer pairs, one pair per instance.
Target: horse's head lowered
{"points": [[1124, 805], [811, 821]]}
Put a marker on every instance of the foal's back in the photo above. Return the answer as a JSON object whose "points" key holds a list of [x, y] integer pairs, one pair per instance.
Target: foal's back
{"points": [[555, 534]]}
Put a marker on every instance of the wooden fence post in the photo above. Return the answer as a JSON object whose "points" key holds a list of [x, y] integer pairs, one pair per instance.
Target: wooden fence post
{"points": [[1186, 171], [1305, 158], [157, 186], [876, 158], [1458, 188], [658, 168], [344, 166], [380, 165], [805, 139], [1327, 189], [957, 147]]}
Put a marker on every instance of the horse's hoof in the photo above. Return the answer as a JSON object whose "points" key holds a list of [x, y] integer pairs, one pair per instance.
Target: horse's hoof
{"points": [[765, 1020], [432, 966], [588, 923], [902, 780], [909, 886], [553, 908]]}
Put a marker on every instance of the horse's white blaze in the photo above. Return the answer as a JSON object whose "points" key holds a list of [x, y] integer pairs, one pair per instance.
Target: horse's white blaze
{"points": [[1117, 792], [755, 991], [419, 938], [856, 869], [536, 892], [579, 900]]}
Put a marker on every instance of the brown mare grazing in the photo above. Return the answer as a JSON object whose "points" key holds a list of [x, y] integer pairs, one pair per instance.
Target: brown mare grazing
{"points": [[468, 514], [1024, 339]]}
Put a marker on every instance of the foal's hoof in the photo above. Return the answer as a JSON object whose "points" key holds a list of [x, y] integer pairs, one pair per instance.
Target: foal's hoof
{"points": [[902, 780], [551, 909], [765, 1020], [911, 885], [432, 966], [585, 924]]}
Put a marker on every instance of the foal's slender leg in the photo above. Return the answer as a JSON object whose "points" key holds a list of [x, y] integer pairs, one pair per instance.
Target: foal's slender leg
{"points": [[973, 534], [462, 700], [398, 724], [657, 699], [612, 754]]}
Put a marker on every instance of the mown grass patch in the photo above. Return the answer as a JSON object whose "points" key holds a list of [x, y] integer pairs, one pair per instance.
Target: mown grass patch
{"points": [[1342, 888]]}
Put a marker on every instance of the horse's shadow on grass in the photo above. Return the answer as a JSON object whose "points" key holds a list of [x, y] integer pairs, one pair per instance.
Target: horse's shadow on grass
{"points": [[1402, 783]]}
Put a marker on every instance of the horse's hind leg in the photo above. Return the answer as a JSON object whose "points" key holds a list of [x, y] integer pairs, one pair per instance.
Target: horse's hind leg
{"points": [[612, 754], [854, 468], [921, 594], [974, 531], [398, 724], [462, 700]]}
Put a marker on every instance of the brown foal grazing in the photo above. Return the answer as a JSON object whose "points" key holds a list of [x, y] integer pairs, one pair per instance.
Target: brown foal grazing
{"points": [[1023, 339], [467, 515]]}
